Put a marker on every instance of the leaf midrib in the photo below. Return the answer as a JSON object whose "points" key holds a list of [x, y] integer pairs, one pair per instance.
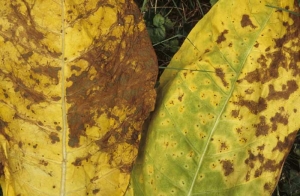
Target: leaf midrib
{"points": [[64, 110]]}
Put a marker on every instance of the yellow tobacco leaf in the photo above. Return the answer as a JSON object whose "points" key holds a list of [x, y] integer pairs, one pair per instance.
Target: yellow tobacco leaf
{"points": [[225, 123], [76, 83]]}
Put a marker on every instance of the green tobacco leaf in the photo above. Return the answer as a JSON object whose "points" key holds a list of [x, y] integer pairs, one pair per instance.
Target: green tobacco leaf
{"points": [[76, 84], [226, 126]]}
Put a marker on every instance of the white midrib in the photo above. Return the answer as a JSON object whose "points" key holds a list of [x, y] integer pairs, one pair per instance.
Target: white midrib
{"points": [[220, 114], [63, 105]]}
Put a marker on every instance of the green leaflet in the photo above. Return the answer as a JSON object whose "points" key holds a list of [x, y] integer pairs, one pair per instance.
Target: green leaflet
{"points": [[228, 129]]}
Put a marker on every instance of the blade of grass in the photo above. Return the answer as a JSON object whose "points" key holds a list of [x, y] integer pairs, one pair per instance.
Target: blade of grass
{"points": [[279, 8]]}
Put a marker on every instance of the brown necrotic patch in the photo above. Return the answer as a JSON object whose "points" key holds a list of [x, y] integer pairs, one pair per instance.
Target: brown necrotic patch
{"points": [[54, 137], [221, 75], [258, 164], [254, 107], [227, 167], [262, 129], [286, 144], [235, 113], [27, 92], [268, 187], [78, 161], [48, 71], [222, 37], [287, 90], [95, 191], [247, 22], [278, 118], [114, 85]]}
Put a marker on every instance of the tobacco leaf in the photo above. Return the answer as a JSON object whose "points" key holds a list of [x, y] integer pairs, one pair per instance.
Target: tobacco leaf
{"points": [[76, 83], [228, 106]]}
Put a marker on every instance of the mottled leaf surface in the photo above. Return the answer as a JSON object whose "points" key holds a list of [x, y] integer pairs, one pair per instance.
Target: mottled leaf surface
{"points": [[76, 84], [225, 122]]}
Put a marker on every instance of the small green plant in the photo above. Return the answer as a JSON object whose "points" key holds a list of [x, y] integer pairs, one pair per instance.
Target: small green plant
{"points": [[169, 22]]}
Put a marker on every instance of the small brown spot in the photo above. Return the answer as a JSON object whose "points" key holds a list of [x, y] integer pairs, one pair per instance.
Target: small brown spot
{"points": [[95, 191], [268, 186], [235, 113], [54, 137], [249, 91], [227, 167], [258, 173], [35, 145], [94, 179], [206, 51], [247, 22], [27, 55], [180, 97], [224, 146], [55, 98], [222, 37], [78, 161], [43, 162], [58, 128]]}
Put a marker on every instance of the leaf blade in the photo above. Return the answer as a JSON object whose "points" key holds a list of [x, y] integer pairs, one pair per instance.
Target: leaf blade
{"points": [[209, 129], [77, 82]]}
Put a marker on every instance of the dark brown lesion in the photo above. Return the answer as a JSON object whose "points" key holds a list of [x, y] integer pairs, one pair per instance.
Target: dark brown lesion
{"points": [[223, 146], [262, 128], [51, 72], [287, 90], [78, 161], [258, 164], [235, 113], [278, 118], [253, 106], [227, 166], [268, 186], [247, 22], [220, 73], [286, 144], [54, 137], [180, 97], [222, 37]]}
